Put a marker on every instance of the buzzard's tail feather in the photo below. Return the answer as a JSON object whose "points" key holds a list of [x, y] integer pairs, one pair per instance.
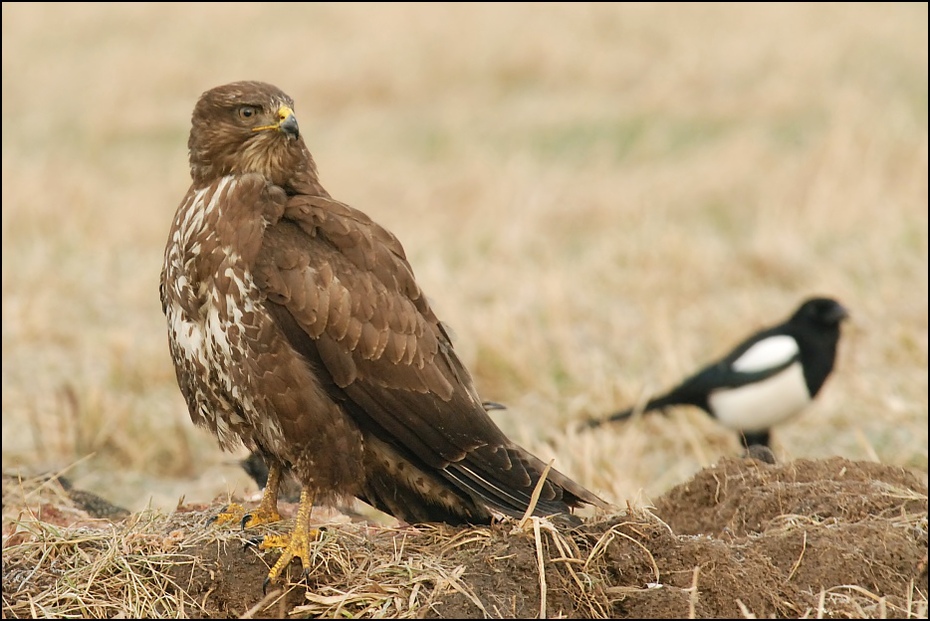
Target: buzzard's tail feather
{"points": [[509, 502], [559, 494], [412, 507]]}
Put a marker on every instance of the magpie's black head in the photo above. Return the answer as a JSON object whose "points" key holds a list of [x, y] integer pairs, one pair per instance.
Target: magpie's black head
{"points": [[821, 311], [255, 466]]}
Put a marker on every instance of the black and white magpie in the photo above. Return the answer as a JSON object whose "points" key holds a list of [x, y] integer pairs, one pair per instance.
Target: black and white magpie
{"points": [[767, 379]]}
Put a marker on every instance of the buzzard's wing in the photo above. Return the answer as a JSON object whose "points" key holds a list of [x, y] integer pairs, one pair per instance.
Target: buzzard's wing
{"points": [[340, 288]]}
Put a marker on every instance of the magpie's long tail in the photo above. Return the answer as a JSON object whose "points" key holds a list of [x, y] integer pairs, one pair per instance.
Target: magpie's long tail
{"points": [[597, 422], [654, 405]]}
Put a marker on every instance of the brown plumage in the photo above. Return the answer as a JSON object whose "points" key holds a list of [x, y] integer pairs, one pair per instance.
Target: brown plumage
{"points": [[298, 329]]}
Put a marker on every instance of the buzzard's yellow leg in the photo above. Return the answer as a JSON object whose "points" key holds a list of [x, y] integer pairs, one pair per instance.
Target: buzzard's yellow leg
{"points": [[267, 510], [296, 544]]}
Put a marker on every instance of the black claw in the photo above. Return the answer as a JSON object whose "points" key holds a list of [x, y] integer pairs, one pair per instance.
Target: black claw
{"points": [[245, 518], [265, 584], [252, 542], [217, 516]]}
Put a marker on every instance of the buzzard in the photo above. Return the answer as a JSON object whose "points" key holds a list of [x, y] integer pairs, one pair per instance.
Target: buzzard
{"points": [[297, 328]]}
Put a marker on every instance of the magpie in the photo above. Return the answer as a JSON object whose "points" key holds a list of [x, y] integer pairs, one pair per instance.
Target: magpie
{"points": [[766, 379]]}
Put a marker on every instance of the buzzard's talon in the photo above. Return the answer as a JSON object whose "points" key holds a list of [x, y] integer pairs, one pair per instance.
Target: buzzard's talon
{"points": [[283, 542], [297, 543], [252, 542], [232, 512], [267, 510], [261, 515], [265, 513]]}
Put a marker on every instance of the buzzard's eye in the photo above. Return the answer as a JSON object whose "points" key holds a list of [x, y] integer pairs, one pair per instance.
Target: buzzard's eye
{"points": [[247, 112]]}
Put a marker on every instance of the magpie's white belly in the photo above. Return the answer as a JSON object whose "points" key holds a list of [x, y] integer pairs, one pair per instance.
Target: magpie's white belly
{"points": [[759, 406]]}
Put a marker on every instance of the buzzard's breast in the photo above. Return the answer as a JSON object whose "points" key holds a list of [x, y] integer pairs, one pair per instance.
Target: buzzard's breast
{"points": [[211, 303]]}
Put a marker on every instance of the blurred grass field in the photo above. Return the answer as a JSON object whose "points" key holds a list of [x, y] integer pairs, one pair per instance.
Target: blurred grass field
{"points": [[597, 198]]}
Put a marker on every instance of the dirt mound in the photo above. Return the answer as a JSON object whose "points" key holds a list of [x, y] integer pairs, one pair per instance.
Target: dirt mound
{"points": [[830, 538]]}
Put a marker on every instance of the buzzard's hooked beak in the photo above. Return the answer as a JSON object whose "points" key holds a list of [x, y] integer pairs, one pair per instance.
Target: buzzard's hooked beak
{"points": [[287, 123]]}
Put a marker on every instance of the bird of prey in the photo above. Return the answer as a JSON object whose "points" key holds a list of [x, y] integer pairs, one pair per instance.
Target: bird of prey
{"points": [[297, 328], [765, 380]]}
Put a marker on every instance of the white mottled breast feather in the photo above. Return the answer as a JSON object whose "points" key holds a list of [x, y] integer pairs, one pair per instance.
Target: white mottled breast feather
{"points": [[200, 317]]}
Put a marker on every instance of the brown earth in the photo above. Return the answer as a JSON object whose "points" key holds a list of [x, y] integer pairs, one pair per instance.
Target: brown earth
{"points": [[828, 538]]}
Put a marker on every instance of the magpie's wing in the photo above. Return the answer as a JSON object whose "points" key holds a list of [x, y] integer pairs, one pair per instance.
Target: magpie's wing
{"points": [[754, 360]]}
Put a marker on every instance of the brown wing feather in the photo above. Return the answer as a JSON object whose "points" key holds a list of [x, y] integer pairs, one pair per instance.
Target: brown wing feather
{"points": [[348, 301], [366, 333]]}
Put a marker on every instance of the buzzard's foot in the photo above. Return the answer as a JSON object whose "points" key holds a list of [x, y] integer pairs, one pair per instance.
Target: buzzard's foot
{"points": [[253, 542], [261, 515], [233, 512], [296, 544], [267, 511]]}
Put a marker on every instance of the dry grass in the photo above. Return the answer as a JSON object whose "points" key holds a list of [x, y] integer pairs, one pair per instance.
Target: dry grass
{"points": [[597, 198], [58, 562], [143, 567]]}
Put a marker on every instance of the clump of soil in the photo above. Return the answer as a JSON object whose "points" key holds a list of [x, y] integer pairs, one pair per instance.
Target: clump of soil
{"points": [[829, 538]]}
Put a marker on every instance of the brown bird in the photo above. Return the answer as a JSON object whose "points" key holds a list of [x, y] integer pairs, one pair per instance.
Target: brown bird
{"points": [[297, 328]]}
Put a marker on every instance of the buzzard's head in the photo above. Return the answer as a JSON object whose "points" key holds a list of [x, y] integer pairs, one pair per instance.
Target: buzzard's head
{"points": [[247, 127]]}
